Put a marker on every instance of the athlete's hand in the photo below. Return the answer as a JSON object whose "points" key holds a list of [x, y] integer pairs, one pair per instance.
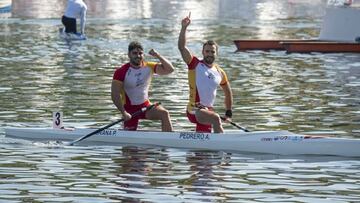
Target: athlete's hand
{"points": [[154, 53], [227, 117], [200, 106], [126, 116], [186, 21]]}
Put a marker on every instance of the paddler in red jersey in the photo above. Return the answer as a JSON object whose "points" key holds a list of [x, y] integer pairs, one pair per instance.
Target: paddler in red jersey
{"points": [[130, 86]]}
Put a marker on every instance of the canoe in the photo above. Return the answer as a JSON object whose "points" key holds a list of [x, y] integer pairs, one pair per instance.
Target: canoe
{"points": [[263, 44], [269, 142], [5, 9], [321, 46], [339, 32], [298, 46]]}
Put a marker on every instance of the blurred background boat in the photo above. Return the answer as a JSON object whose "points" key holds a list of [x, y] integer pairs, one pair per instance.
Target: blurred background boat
{"points": [[339, 33], [5, 6]]}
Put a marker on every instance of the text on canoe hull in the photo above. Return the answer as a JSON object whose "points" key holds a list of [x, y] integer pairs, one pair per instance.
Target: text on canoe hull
{"points": [[182, 135], [207, 136]]}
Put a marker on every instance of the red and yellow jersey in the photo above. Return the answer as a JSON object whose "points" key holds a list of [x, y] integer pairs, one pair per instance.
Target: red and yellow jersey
{"points": [[203, 83], [136, 82]]}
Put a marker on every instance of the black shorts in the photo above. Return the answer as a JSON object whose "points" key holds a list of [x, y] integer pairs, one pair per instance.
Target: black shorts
{"points": [[69, 23]]}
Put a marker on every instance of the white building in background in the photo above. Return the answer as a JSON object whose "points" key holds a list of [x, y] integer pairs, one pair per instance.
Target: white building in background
{"points": [[341, 21]]}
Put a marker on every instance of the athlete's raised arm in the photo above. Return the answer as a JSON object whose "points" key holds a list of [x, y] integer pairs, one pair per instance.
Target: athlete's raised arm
{"points": [[185, 52], [165, 67]]}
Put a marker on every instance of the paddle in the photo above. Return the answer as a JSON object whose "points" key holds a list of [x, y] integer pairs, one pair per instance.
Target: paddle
{"points": [[234, 124], [111, 124]]}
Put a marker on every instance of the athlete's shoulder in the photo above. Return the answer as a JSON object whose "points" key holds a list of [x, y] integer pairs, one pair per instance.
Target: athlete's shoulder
{"points": [[194, 62], [124, 66], [195, 59], [150, 64], [119, 73], [217, 66], [224, 78]]}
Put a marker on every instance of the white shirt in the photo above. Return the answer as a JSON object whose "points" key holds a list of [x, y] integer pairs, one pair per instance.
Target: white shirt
{"points": [[77, 9], [136, 82], [207, 81], [203, 82]]}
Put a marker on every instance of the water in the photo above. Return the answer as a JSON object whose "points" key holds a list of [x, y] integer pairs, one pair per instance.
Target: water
{"points": [[303, 93]]}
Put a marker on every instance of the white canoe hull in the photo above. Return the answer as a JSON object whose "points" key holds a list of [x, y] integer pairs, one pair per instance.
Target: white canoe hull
{"points": [[273, 142]]}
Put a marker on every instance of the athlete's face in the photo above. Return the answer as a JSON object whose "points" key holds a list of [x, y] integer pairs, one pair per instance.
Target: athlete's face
{"points": [[209, 53], [136, 56]]}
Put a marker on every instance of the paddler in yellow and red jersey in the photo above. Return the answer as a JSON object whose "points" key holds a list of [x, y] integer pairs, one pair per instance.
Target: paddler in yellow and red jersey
{"points": [[204, 76]]}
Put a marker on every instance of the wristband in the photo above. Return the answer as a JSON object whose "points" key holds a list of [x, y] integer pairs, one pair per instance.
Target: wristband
{"points": [[228, 113]]}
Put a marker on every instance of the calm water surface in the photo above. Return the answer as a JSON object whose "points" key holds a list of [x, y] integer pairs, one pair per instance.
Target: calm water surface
{"points": [[303, 93]]}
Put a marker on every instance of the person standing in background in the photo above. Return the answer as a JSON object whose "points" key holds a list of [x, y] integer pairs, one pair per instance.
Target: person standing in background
{"points": [[75, 9]]}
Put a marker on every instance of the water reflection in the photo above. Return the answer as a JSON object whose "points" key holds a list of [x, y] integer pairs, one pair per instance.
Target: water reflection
{"points": [[118, 9], [202, 182], [37, 8], [139, 171], [133, 172], [146, 169], [164, 9], [138, 174]]}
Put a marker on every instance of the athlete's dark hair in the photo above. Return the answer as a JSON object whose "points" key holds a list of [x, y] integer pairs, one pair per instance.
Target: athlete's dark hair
{"points": [[135, 45], [211, 42]]}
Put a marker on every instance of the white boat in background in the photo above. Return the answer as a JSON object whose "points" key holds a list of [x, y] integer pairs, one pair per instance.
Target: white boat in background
{"points": [[270, 142], [71, 36], [5, 9], [341, 22]]}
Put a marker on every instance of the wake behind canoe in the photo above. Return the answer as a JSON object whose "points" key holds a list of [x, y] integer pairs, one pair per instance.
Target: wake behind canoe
{"points": [[270, 142]]}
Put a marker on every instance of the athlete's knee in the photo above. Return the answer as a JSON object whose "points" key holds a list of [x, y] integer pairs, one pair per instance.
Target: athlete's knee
{"points": [[164, 113], [159, 114], [215, 119]]}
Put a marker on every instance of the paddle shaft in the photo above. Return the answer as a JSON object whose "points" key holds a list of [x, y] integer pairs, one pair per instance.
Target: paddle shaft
{"points": [[114, 123], [234, 124], [95, 132]]}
